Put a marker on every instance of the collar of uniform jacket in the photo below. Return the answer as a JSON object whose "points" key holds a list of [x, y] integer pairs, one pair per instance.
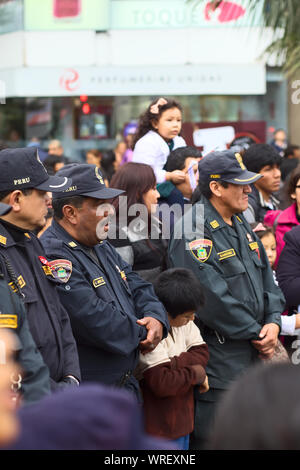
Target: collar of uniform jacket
{"points": [[6, 239], [64, 237]]}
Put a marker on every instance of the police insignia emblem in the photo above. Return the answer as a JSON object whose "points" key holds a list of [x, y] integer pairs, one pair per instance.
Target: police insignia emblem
{"points": [[61, 269], [8, 321], [98, 176], [201, 249], [240, 160]]}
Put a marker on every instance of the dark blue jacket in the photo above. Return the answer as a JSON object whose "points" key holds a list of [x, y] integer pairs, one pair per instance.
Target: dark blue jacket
{"points": [[35, 375], [104, 299], [48, 321], [288, 269]]}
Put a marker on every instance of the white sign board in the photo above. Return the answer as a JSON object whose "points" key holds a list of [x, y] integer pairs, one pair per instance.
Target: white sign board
{"points": [[214, 138]]}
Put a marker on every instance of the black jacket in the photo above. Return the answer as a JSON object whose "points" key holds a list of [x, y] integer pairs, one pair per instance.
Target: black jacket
{"points": [[35, 382], [288, 269], [48, 321]]}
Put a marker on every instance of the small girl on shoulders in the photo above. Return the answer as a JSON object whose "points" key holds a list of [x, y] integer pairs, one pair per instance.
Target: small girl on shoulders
{"points": [[157, 135]]}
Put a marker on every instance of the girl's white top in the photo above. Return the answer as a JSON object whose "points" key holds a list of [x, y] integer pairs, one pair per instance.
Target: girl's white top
{"points": [[153, 150]]}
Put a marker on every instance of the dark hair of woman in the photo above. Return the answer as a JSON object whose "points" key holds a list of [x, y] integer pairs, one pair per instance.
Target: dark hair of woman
{"points": [[146, 119], [135, 179], [292, 183]]}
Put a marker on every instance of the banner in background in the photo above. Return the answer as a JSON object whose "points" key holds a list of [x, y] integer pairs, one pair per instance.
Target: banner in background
{"points": [[59, 15]]}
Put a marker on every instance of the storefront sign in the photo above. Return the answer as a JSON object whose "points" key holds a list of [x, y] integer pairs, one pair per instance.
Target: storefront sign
{"points": [[154, 14], [52, 15], [247, 79]]}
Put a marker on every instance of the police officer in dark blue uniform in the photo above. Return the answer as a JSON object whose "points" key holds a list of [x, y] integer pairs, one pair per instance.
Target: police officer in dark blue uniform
{"points": [[240, 320], [33, 383], [24, 183], [113, 311]]}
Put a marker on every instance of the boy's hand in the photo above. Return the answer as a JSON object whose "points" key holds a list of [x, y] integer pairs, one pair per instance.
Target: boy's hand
{"points": [[204, 387]]}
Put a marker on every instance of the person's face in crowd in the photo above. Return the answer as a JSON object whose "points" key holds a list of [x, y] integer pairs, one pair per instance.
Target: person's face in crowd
{"points": [[150, 200], [92, 221], [280, 138], [28, 211], [234, 198], [55, 149], [185, 187], [296, 194], [270, 182], [182, 319], [58, 166], [169, 123], [9, 425], [269, 243], [297, 153], [91, 159]]}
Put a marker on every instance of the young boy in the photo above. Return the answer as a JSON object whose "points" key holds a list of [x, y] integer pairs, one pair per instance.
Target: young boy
{"points": [[177, 363]]}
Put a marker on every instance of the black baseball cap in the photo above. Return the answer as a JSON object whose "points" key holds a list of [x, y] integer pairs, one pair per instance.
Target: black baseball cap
{"points": [[21, 168], [87, 180], [4, 208], [227, 166]]}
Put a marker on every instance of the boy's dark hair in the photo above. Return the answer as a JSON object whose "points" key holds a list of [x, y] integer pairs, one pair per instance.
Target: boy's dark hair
{"points": [[259, 155], [290, 150], [58, 204], [179, 291], [176, 159]]}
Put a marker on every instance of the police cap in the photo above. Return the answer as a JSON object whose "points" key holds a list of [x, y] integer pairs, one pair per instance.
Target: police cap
{"points": [[87, 180], [22, 168], [227, 166]]}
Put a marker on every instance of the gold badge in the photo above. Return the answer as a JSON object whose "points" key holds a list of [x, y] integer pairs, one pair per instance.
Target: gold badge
{"points": [[3, 240], [99, 281], [226, 254], [201, 249], [72, 244], [8, 321], [214, 224], [98, 176]]}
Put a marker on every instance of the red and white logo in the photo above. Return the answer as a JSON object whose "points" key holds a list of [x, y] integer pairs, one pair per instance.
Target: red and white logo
{"points": [[69, 80], [223, 11]]}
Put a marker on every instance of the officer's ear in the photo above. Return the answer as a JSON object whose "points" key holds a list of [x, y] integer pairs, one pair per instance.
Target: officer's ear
{"points": [[14, 199], [70, 214], [215, 188]]}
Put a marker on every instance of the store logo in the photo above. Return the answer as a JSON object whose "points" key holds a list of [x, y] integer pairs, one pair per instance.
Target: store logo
{"points": [[2, 92], [296, 94], [69, 81], [223, 11]]}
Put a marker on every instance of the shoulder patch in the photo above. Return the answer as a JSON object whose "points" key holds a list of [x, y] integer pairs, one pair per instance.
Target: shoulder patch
{"points": [[61, 269], [226, 254], [8, 321], [201, 249], [214, 224]]}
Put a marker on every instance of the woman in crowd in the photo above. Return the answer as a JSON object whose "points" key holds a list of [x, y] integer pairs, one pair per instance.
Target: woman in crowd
{"points": [[283, 221], [137, 233]]}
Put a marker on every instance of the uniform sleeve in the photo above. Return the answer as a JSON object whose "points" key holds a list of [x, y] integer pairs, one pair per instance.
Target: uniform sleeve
{"points": [[145, 299], [71, 359], [36, 381], [97, 322], [222, 312], [274, 301]]}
